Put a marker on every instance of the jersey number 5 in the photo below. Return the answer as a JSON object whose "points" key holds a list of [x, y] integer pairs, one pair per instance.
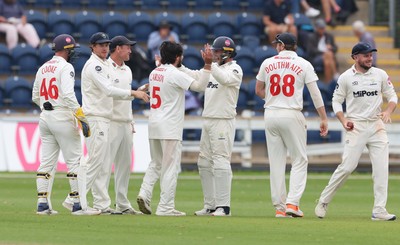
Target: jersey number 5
{"points": [[51, 91], [156, 96], [287, 87]]}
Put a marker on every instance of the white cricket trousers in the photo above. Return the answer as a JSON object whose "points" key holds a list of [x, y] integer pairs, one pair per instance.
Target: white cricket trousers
{"points": [[58, 130], [164, 165], [27, 31], [99, 162], [214, 163], [370, 134], [286, 132], [121, 143]]}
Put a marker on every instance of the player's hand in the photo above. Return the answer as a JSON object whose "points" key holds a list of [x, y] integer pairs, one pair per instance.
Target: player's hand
{"points": [[385, 116], [141, 95], [323, 128], [206, 54], [133, 127], [348, 125], [82, 121], [144, 88]]}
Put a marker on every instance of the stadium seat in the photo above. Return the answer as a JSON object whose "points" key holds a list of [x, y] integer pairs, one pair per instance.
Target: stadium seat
{"points": [[141, 25], [39, 21], [300, 52], [45, 53], [25, 58], [194, 27], [78, 92], [256, 4], [245, 58], [171, 18], [249, 24], [263, 52], [228, 4], [60, 22], [19, 92], [192, 57], [256, 102], [6, 60], [123, 4], [303, 22], [243, 100], [114, 24], [86, 24], [205, 4], [2, 95], [221, 24], [84, 53], [151, 4], [179, 4], [251, 42]]}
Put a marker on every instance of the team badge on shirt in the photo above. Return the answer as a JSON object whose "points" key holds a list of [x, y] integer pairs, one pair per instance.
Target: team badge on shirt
{"points": [[236, 71], [389, 82], [72, 74], [98, 68], [116, 80]]}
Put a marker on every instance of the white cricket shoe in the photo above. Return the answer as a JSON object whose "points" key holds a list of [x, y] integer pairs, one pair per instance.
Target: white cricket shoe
{"points": [[321, 209], [44, 209], [312, 12], [220, 212], [294, 211], [174, 212], [68, 203], [385, 216], [204, 212], [88, 211], [144, 205]]}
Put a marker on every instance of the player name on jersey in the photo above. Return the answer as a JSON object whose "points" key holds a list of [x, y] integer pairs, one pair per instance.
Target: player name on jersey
{"points": [[49, 69], [283, 65]]}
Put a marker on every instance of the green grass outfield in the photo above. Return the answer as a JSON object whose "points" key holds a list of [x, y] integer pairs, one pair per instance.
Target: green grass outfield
{"points": [[347, 222]]}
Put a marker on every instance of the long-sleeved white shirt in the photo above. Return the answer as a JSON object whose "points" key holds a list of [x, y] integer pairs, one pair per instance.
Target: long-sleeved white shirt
{"points": [[122, 78], [54, 82], [363, 93], [98, 90]]}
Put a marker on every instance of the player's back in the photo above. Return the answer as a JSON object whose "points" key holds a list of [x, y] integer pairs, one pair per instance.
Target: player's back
{"points": [[167, 102], [55, 81], [285, 76]]}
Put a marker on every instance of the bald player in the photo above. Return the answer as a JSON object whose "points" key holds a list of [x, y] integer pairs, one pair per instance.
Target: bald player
{"points": [[167, 111], [362, 87], [53, 92], [280, 82]]}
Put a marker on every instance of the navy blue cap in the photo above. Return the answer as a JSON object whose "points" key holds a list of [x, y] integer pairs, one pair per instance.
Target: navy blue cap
{"points": [[99, 37], [285, 38], [64, 41], [120, 40], [362, 48]]}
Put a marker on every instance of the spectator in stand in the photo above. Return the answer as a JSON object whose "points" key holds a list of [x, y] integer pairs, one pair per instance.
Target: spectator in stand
{"points": [[139, 63], [308, 10], [366, 37], [321, 49], [13, 21], [156, 38], [327, 7], [278, 18]]}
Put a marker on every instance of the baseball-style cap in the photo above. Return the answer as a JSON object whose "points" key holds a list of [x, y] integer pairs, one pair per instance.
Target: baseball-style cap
{"points": [[120, 40], [99, 37], [362, 48], [64, 41], [164, 24], [285, 38]]}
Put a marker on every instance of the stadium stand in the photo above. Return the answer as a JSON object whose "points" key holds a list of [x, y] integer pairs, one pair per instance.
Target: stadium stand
{"points": [[249, 24], [39, 21], [59, 22], [25, 59], [245, 58], [141, 25], [83, 54], [6, 59], [192, 57], [194, 27], [86, 23], [78, 92], [171, 18], [263, 52], [18, 92], [114, 23], [45, 53], [221, 24]]}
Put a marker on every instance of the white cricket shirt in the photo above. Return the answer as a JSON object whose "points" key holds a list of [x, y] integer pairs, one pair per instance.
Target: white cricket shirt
{"points": [[54, 82], [363, 92], [167, 102], [284, 76]]}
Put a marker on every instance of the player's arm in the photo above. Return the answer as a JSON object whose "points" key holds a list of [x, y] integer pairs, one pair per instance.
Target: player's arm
{"points": [[339, 96], [260, 89], [35, 92], [232, 76], [67, 91], [390, 94], [201, 84], [319, 105]]}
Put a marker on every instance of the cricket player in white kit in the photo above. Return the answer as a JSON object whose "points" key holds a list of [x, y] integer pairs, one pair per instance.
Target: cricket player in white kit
{"points": [[362, 87], [122, 124], [167, 110], [53, 92], [218, 131], [280, 82], [97, 99]]}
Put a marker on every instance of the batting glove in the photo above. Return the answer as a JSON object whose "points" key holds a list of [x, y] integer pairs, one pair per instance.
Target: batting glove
{"points": [[83, 122]]}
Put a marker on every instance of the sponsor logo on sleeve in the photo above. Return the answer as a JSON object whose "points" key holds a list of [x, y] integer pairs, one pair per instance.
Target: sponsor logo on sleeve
{"points": [[98, 68]]}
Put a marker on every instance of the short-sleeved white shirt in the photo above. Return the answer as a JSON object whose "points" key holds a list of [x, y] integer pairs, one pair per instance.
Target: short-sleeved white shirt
{"points": [[284, 76], [167, 102]]}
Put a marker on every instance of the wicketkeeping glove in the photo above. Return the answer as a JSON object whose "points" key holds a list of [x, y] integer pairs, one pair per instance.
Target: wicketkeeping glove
{"points": [[83, 122]]}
